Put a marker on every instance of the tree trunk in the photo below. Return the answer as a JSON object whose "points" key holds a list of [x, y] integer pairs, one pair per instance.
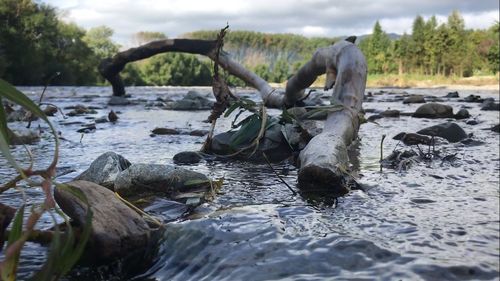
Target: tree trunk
{"points": [[110, 68], [324, 161]]}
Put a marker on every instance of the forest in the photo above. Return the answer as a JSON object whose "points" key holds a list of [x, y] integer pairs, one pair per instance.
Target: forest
{"points": [[35, 44]]}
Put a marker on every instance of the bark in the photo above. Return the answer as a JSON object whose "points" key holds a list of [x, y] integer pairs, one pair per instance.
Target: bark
{"points": [[110, 68], [324, 161]]}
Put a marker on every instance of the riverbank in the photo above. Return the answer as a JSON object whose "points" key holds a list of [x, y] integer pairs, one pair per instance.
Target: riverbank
{"points": [[490, 82]]}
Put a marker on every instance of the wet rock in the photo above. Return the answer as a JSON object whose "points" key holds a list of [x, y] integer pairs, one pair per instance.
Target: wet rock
{"points": [[374, 117], [79, 110], [112, 117], [88, 128], [413, 139], [192, 101], [6, 215], [115, 100], [472, 142], [116, 231], [472, 122], [20, 115], [462, 114], [187, 157], [101, 120], [50, 110], [390, 113], [490, 104], [167, 210], [434, 110], [22, 136], [452, 95], [414, 99], [473, 98], [104, 170], [495, 128], [165, 131], [198, 133], [154, 178], [450, 131]]}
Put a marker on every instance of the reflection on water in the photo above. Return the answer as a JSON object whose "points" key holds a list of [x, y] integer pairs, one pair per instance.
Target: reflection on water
{"points": [[436, 221]]}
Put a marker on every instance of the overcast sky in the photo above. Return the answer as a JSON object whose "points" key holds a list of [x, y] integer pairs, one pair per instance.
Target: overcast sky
{"points": [[306, 17]]}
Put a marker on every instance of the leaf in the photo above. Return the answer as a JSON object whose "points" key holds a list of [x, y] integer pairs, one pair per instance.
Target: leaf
{"points": [[247, 132], [9, 266], [195, 182], [231, 108]]}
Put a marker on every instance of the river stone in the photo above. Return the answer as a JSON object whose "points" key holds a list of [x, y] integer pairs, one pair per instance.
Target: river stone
{"points": [[105, 169], [22, 136], [449, 131], [434, 110], [50, 110], [116, 231], [187, 157], [390, 113], [414, 99], [156, 178], [452, 95], [490, 104], [165, 131], [462, 114], [192, 101]]}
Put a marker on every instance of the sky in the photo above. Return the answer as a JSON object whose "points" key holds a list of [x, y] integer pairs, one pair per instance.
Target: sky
{"points": [[306, 17]]}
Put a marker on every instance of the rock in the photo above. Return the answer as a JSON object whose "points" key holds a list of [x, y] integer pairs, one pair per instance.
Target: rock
{"points": [[434, 110], [192, 101], [167, 210], [452, 95], [414, 99], [390, 113], [88, 128], [198, 133], [449, 131], [116, 100], [116, 231], [413, 139], [165, 131], [495, 128], [154, 178], [112, 117], [472, 122], [22, 136], [20, 115], [6, 215], [462, 114], [187, 157], [81, 110], [374, 117], [104, 170], [50, 110], [297, 112], [490, 104], [101, 120], [473, 98]]}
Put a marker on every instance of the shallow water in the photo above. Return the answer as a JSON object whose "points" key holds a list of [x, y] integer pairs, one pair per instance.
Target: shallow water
{"points": [[436, 221]]}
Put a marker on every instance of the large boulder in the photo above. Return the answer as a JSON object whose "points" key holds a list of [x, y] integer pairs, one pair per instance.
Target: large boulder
{"points": [[434, 110], [449, 131], [116, 231], [167, 180], [192, 101], [105, 169], [414, 99]]}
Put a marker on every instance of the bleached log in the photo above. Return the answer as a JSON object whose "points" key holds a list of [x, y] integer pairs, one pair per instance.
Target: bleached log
{"points": [[110, 68], [324, 161]]}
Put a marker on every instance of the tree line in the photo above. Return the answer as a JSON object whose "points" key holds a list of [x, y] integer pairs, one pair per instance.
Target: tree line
{"points": [[35, 44]]}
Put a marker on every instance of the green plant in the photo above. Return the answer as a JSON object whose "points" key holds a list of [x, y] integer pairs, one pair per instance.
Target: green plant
{"points": [[65, 249]]}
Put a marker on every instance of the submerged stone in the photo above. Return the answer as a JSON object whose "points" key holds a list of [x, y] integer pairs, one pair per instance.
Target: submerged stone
{"points": [[449, 131]]}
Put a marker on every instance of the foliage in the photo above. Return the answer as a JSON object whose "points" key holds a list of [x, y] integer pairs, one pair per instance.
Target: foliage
{"points": [[99, 40], [65, 249]]}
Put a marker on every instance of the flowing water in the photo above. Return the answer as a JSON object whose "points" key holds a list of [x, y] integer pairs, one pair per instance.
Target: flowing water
{"points": [[436, 221]]}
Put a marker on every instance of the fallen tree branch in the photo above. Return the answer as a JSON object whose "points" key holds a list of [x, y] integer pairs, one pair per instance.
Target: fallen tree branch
{"points": [[110, 68], [324, 161]]}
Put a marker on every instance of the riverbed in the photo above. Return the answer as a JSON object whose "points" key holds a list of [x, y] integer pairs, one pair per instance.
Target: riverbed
{"points": [[438, 220]]}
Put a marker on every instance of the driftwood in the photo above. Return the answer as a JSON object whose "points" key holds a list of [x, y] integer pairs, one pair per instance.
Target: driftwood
{"points": [[110, 68], [324, 161]]}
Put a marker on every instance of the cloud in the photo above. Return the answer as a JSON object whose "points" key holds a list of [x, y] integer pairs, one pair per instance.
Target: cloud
{"points": [[306, 17]]}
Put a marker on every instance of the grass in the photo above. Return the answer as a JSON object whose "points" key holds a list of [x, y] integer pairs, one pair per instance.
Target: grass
{"points": [[415, 80]]}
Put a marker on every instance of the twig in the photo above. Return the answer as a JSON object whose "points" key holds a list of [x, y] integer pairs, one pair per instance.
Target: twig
{"points": [[138, 210], [277, 175], [381, 151]]}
